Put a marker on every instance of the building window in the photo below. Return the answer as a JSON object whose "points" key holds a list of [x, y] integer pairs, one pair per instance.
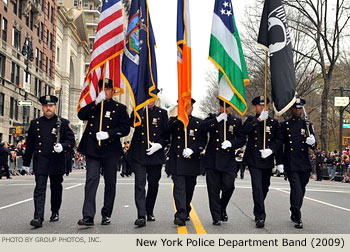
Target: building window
{"points": [[16, 109], [16, 38], [12, 100], [37, 57], [36, 86], [2, 65], [47, 36], [20, 12], [47, 64], [52, 13], [13, 72], [42, 32], [86, 3], [4, 29], [41, 60], [15, 6], [31, 20], [50, 68], [51, 41], [48, 10], [43, 5], [75, 3], [39, 89], [18, 70], [2, 104]]}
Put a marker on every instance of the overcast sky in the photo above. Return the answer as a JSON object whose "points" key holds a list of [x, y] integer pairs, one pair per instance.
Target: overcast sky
{"points": [[163, 16]]}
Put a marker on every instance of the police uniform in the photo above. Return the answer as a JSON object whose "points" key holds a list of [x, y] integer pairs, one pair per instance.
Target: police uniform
{"points": [[4, 156], [147, 167], [40, 142], [261, 168], [115, 122], [184, 171], [296, 160], [220, 164]]}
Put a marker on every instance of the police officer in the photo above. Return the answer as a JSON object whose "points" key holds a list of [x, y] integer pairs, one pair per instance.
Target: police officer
{"points": [[105, 156], [297, 141], [219, 159], [146, 158], [261, 160], [48, 157], [184, 163], [4, 157]]}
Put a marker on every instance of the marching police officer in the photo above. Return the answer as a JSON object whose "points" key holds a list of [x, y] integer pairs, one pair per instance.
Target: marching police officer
{"points": [[147, 157], [184, 163], [115, 124], [219, 160], [261, 160], [48, 157], [298, 137]]}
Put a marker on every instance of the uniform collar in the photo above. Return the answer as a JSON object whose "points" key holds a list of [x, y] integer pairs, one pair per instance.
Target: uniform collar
{"points": [[52, 118]]}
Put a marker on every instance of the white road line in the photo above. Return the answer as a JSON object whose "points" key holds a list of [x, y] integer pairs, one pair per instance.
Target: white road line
{"points": [[319, 201], [17, 203], [72, 186]]}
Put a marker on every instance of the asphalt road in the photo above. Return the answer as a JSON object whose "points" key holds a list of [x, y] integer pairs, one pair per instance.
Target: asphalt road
{"points": [[326, 209]]}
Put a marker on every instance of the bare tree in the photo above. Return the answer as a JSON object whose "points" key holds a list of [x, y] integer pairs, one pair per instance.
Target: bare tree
{"points": [[324, 23]]}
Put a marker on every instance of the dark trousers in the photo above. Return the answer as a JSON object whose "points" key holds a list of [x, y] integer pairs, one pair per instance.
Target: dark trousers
{"points": [[183, 193], [6, 167], [298, 182], [217, 182], [260, 184], [319, 174], [109, 169], [40, 193], [151, 174], [240, 168]]}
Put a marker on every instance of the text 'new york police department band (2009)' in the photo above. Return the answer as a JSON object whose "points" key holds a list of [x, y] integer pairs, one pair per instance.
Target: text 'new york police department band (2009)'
{"points": [[211, 145]]}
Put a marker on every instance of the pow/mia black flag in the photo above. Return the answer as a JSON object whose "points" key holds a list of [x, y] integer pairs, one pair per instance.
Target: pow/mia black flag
{"points": [[275, 38]]}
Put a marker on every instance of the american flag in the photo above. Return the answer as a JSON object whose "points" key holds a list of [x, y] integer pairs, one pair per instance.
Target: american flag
{"points": [[108, 46]]}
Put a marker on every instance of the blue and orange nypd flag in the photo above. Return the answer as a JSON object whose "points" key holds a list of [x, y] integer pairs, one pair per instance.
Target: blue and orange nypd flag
{"points": [[139, 67], [105, 57], [183, 60]]}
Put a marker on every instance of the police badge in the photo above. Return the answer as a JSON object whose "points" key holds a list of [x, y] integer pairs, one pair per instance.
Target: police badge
{"points": [[54, 131], [191, 133], [155, 121], [230, 128], [303, 132], [268, 129], [108, 114]]}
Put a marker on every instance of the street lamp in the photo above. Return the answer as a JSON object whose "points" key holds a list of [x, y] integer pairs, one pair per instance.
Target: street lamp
{"points": [[27, 50]]}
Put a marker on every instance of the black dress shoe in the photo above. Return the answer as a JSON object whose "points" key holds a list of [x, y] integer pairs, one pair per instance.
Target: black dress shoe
{"points": [[150, 217], [106, 220], [216, 223], [260, 223], [87, 221], [299, 224], [179, 222], [37, 222], [140, 222], [224, 216], [54, 217], [187, 218]]}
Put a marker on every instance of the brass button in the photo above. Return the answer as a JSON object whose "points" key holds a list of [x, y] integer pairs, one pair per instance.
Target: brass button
{"points": [[256, 138], [178, 129], [141, 125], [53, 151], [227, 150], [39, 151], [107, 126], [39, 136], [303, 141], [287, 128], [189, 157], [255, 146], [255, 132], [217, 140], [113, 111], [178, 146], [92, 117], [291, 149], [302, 149], [178, 137], [143, 142], [287, 123], [217, 131], [194, 138], [197, 122], [37, 129], [39, 144], [110, 118], [269, 140], [290, 135], [195, 129], [217, 149], [178, 156], [290, 141], [91, 124], [142, 133], [160, 111], [37, 122], [90, 133], [154, 134]]}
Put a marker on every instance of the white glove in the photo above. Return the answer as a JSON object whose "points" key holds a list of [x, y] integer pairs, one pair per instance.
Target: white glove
{"points": [[101, 96], [222, 116], [102, 135], [186, 153], [265, 153], [310, 140], [58, 148], [264, 115], [280, 168], [154, 147], [26, 168], [226, 144]]}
